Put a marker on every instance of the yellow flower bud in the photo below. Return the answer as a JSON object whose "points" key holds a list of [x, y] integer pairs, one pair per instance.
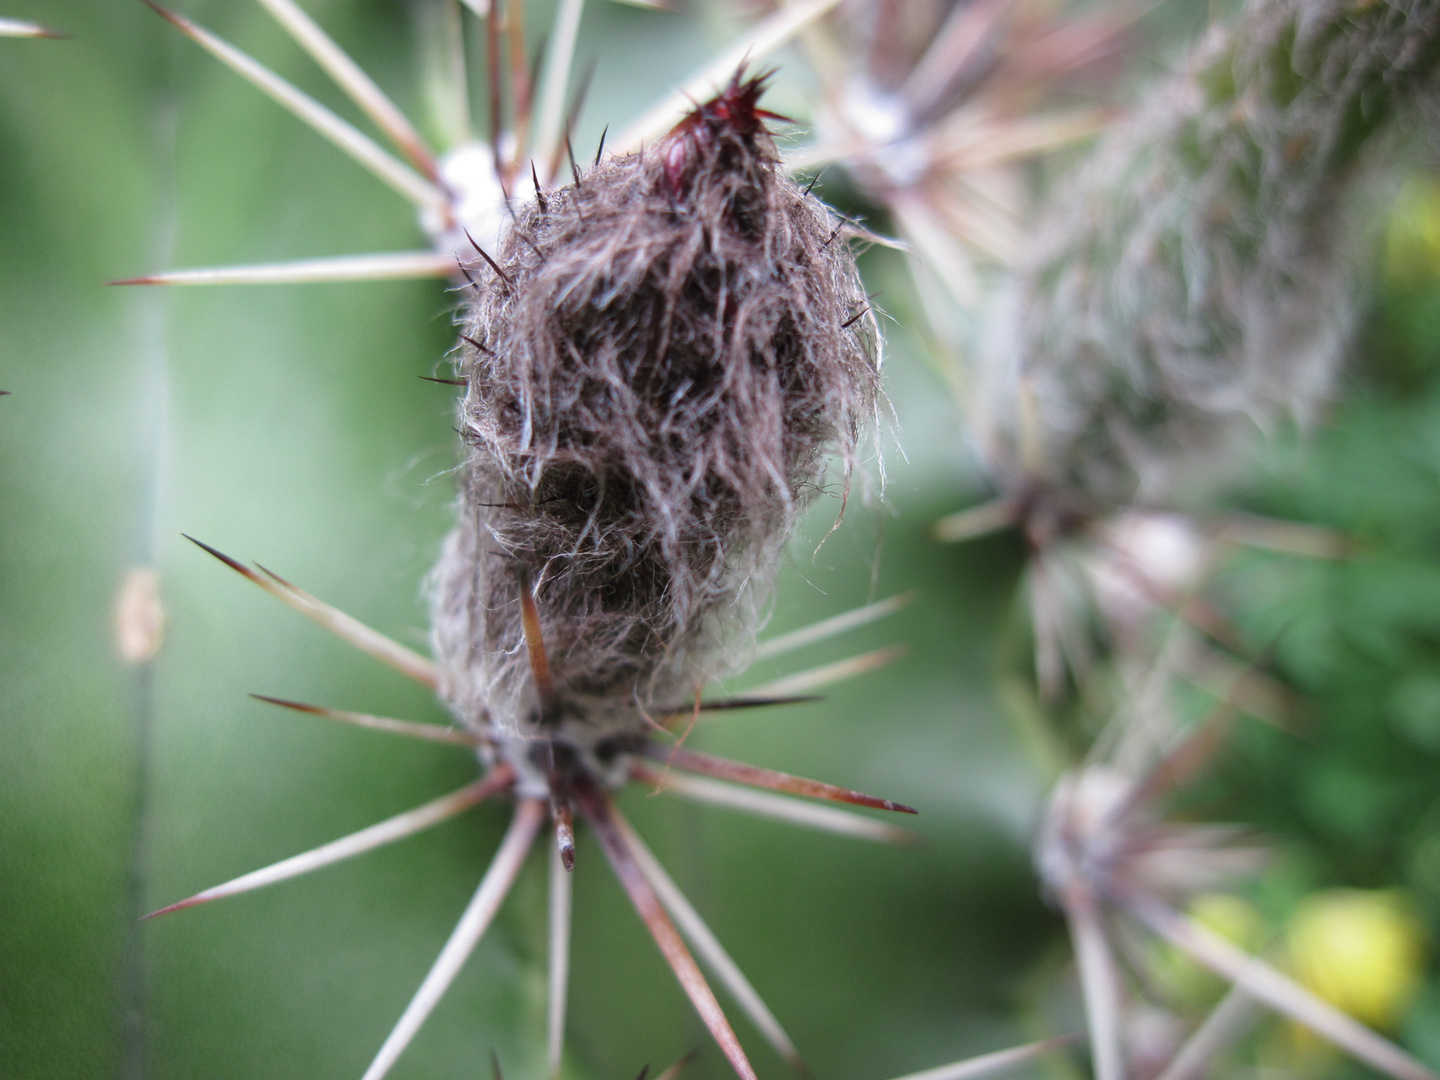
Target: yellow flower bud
{"points": [[1362, 951], [1412, 247]]}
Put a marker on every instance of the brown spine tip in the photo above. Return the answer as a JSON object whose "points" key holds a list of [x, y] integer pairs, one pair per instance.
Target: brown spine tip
{"points": [[680, 1065], [466, 271], [276, 578], [238, 567], [535, 645], [570, 153], [738, 772], [725, 704], [148, 280], [179, 905], [169, 16], [486, 256], [599, 811], [313, 710]]}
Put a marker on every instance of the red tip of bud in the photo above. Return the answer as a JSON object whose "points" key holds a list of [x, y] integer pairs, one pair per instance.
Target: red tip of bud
{"points": [[731, 115]]}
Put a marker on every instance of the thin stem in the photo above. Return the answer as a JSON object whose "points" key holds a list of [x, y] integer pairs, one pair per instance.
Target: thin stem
{"points": [[558, 62], [18, 28], [385, 832], [708, 946], [599, 811], [965, 35], [561, 889], [343, 135], [1285, 537], [780, 807], [351, 79], [494, 886], [803, 682], [352, 630], [735, 704], [1099, 980], [429, 732], [521, 92], [679, 1066], [995, 1062], [986, 146], [1227, 1022], [828, 628], [741, 773], [453, 81], [493, 82], [387, 266], [974, 521]]}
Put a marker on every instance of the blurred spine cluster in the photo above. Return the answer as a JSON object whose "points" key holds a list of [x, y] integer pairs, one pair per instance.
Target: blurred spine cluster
{"points": [[1190, 286]]}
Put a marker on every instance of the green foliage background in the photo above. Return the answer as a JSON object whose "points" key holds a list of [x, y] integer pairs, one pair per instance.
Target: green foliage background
{"points": [[288, 425]]}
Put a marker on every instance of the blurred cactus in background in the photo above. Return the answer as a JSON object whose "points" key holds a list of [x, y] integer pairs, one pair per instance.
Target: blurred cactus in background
{"points": [[1179, 294]]}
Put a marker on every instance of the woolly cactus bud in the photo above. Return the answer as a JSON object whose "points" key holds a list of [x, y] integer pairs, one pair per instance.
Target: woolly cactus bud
{"points": [[657, 365], [1194, 280], [660, 359]]}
